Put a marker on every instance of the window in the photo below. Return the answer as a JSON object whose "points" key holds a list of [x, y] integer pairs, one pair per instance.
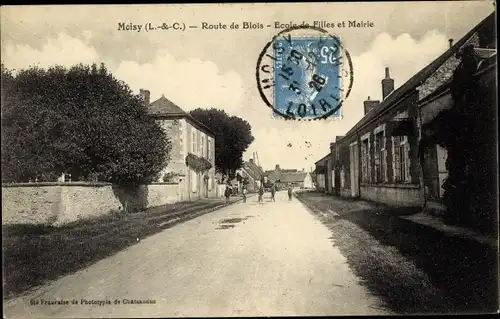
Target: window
{"points": [[209, 149], [337, 152], [193, 141], [365, 160], [401, 159], [380, 158], [202, 146], [342, 178]]}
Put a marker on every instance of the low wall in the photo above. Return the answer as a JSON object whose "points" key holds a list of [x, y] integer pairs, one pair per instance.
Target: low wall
{"points": [[345, 192], [162, 193], [61, 203], [395, 195], [221, 188]]}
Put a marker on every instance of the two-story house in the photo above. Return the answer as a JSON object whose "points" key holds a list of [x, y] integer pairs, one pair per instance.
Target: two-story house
{"points": [[192, 155]]}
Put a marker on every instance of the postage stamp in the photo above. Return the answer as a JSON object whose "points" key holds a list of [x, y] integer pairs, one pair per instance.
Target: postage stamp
{"points": [[304, 73]]}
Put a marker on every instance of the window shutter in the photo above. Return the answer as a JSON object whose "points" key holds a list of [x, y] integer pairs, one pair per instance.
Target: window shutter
{"points": [[384, 160], [384, 166], [364, 166], [193, 142], [342, 178], [396, 159], [407, 162], [368, 162], [376, 158]]}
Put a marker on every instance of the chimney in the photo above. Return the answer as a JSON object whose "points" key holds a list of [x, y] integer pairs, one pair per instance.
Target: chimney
{"points": [[451, 42], [251, 160], [145, 96], [277, 166], [370, 104], [387, 84]]}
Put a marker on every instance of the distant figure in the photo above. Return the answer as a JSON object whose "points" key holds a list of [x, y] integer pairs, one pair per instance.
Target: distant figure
{"points": [[289, 191], [227, 193], [244, 195], [273, 192], [261, 192]]}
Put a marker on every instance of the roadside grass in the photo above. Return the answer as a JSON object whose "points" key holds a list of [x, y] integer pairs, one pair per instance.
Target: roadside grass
{"points": [[35, 254], [413, 268]]}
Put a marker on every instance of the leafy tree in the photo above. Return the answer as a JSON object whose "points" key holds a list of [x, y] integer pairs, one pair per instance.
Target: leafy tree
{"points": [[468, 132], [81, 121], [233, 135]]}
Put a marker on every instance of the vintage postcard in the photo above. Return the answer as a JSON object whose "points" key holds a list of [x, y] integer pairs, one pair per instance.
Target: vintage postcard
{"points": [[257, 159]]}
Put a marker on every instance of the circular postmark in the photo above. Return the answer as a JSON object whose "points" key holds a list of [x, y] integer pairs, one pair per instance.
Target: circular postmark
{"points": [[304, 73]]}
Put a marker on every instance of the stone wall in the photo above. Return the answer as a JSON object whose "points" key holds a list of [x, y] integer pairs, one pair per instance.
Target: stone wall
{"points": [[162, 193], [396, 195], [177, 165], [61, 203]]}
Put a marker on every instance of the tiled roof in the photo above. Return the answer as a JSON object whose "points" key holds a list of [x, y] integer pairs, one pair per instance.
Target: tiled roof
{"points": [[417, 79], [487, 58], [292, 177], [253, 170], [322, 160], [165, 108]]}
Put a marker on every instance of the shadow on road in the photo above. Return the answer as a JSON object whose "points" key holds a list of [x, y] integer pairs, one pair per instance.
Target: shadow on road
{"points": [[465, 269], [229, 223], [414, 268]]}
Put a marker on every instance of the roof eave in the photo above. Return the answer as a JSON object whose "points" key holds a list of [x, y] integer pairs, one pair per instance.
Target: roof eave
{"points": [[406, 89]]}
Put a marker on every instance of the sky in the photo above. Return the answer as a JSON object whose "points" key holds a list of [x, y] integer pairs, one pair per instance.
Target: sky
{"points": [[216, 68]]}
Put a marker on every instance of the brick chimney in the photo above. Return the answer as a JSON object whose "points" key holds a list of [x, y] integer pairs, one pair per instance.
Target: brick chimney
{"points": [[145, 96], [387, 84], [370, 104], [251, 160], [277, 166], [451, 42]]}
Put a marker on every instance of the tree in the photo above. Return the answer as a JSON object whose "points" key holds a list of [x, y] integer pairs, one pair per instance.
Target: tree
{"points": [[468, 132], [81, 121], [233, 135]]}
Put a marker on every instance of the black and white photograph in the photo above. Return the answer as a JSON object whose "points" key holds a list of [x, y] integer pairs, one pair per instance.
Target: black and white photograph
{"points": [[249, 159]]}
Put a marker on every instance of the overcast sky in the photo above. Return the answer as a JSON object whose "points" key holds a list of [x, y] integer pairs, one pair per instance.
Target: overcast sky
{"points": [[205, 69]]}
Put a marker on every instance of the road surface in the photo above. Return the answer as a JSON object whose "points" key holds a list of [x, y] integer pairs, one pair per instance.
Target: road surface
{"points": [[247, 259]]}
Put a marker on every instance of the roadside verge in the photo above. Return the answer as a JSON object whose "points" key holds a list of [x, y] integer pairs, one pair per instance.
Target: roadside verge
{"points": [[416, 269], [34, 255]]}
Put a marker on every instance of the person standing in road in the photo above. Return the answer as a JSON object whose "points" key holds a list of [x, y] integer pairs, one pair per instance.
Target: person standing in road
{"points": [[244, 195], [289, 191], [273, 192], [227, 193], [261, 192]]}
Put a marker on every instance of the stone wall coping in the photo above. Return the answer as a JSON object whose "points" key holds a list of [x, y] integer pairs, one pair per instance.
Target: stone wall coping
{"points": [[164, 183], [41, 184], [70, 184], [412, 186]]}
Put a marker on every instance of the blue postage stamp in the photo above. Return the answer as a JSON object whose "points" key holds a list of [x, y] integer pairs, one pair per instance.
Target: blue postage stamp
{"points": [[307, 76]]}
